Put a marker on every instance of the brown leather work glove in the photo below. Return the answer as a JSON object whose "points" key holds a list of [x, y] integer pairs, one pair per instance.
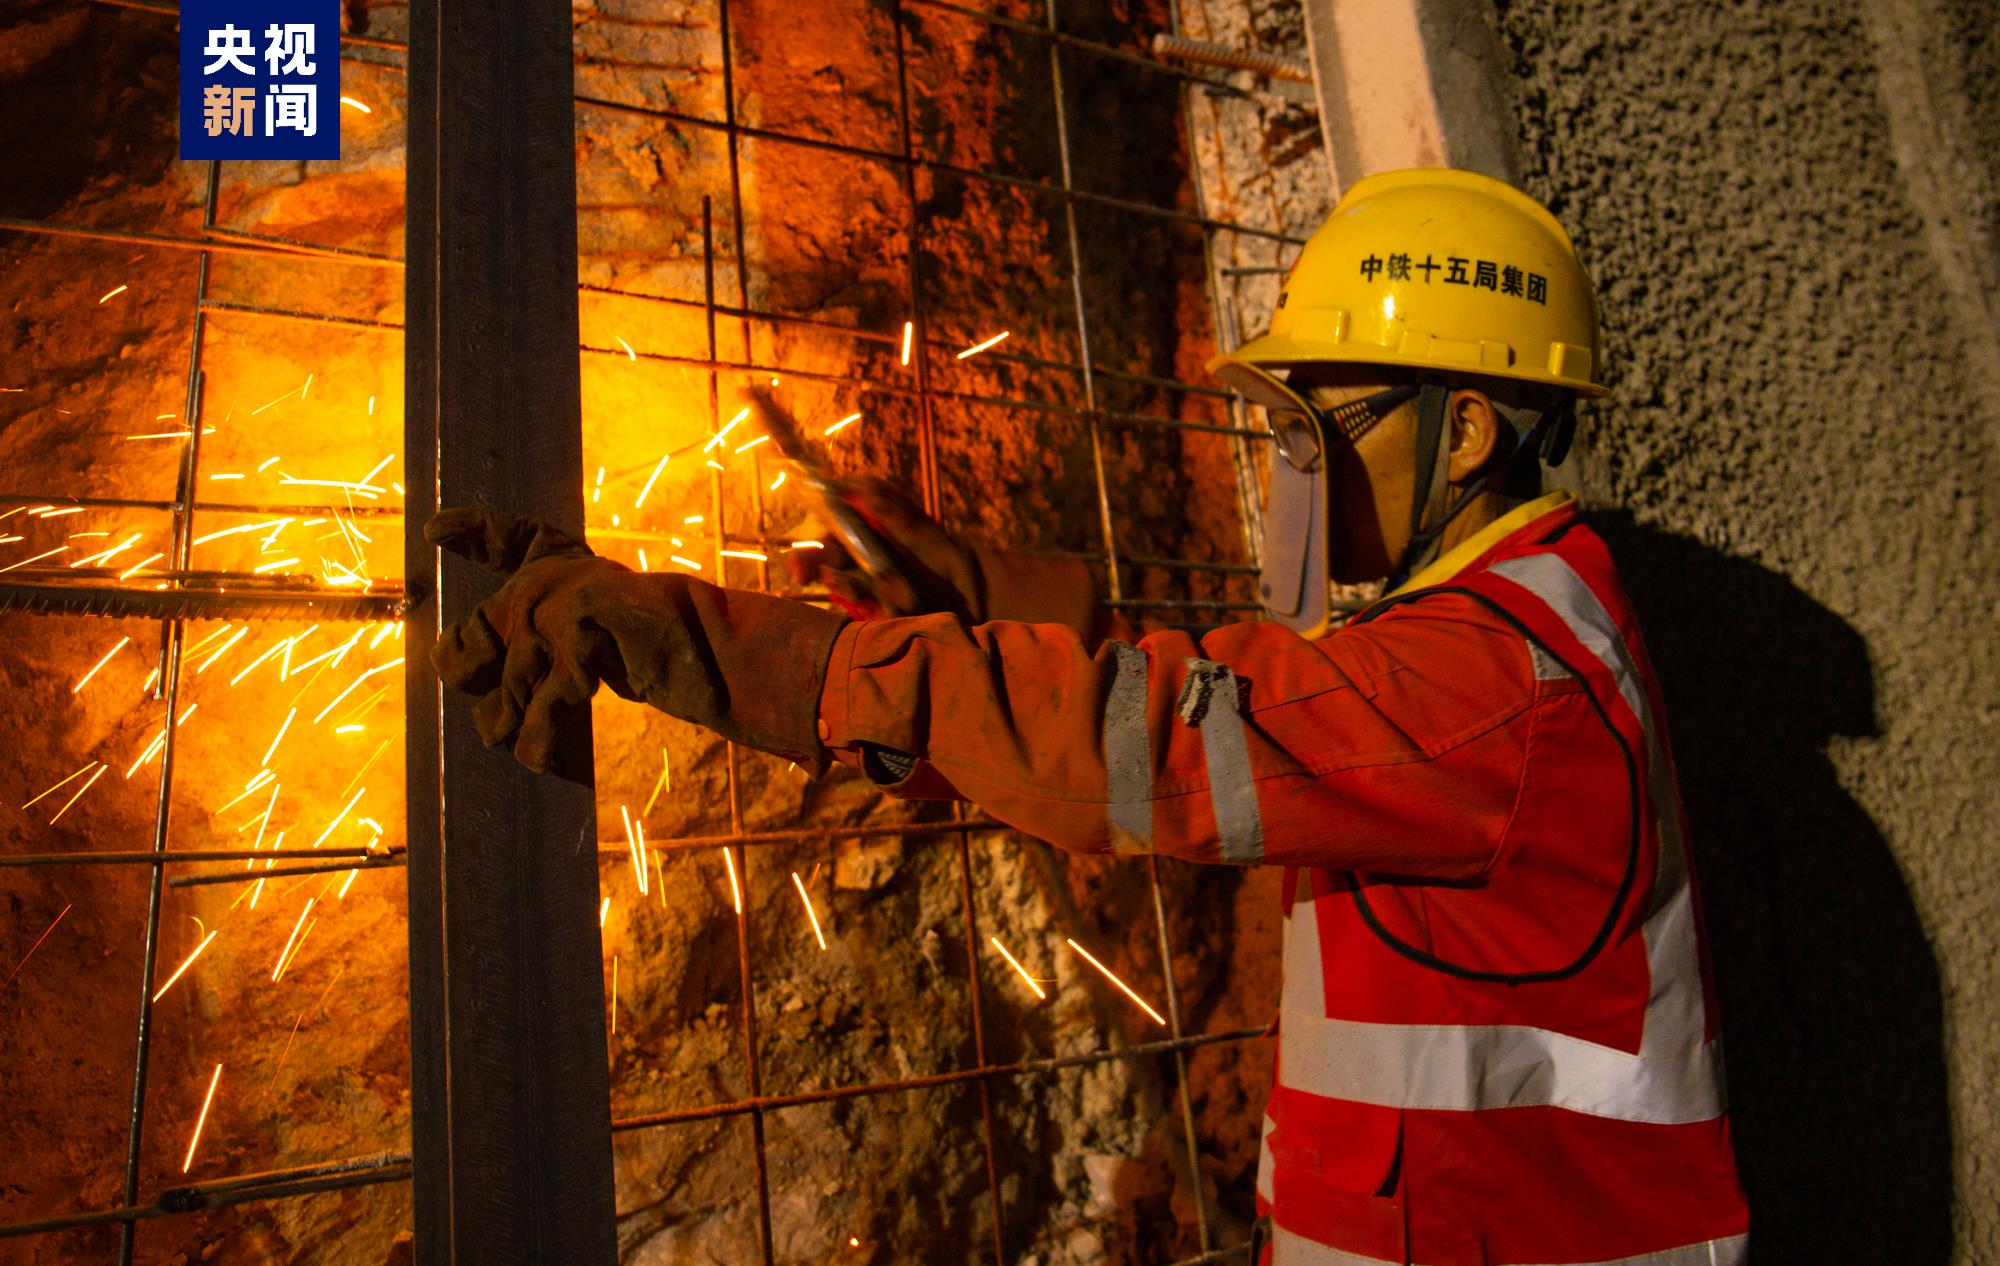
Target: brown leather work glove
{"points": [[937, 573], [746, 665]]}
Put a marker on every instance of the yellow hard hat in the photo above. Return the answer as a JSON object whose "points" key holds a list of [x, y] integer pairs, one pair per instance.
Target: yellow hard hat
{"points": [[1437, 270]]}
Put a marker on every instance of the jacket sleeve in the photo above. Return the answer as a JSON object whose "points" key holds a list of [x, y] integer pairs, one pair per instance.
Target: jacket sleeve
{"points": [[1396, 747]]}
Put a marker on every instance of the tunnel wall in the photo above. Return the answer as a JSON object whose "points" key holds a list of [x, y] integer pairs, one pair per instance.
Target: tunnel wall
{"points": [[1790, 213]]}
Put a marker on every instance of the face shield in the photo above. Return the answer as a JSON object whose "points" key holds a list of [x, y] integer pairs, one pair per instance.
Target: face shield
{"points": [[1296, 571]]}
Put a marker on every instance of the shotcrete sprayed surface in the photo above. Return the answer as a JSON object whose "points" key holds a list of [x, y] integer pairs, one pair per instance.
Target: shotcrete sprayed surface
{"points": [[1791, 221]]}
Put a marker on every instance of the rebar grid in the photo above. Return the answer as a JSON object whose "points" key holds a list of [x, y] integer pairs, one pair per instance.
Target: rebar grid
{"points": [[175, 595], [755, 1105]]}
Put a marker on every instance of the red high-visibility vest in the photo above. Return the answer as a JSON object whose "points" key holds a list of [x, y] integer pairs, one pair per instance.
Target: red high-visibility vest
{"points": [[1435, 771]]}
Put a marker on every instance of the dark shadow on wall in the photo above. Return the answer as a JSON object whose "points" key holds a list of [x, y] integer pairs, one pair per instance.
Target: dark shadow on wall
{"points": [[1831, 1003]]}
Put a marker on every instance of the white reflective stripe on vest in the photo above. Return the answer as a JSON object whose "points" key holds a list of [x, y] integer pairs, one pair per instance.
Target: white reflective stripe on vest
{"points": [[1239, 822], [1472, 1067], [1676, 1016], [1674, 1078], [1128, 754], [1265, 1165], [1289, 1249]]}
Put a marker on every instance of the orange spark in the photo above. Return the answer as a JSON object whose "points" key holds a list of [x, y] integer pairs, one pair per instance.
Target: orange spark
{"points": [[267, 463], [291, 940], [349, 729], [276, 648], [272, 750], [146, 757], [379, 668], [32, 948], [636, 848], [300, 947], [224, 476], [642, 559], [977, 348], [598, 490], [273, 566], [603, 911], [339, 817], [1114, 980], [369, 491], [337, 654], [614, 993], [806, 545], [685, 562], [36, 559], [139, 566], [248, 791], [350, 101], [246, 527], [752, 444], [659, 784], [629, 353], [810, 914], [909, 336], [302, 395], [779, 482], [114, 293], [79, 792], [1016, 965], [735, 891], [108, 555], [64, 783], [691, 519], [715, 440], [849, 420], [222, 650], [202, 1119], [189, 962], [345, 884], [744, 553], [650, 480]]}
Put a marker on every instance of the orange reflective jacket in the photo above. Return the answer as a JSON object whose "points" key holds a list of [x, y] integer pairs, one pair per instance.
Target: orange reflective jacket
{"points": [[1498, 1040]]}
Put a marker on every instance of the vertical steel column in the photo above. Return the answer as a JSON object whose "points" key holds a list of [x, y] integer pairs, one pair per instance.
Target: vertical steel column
{"points": [[172, 636], [510, 1121], [1114, 591]]}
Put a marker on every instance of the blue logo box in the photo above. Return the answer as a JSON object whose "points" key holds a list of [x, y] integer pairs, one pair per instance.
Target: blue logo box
{"points": [[260, 79]]}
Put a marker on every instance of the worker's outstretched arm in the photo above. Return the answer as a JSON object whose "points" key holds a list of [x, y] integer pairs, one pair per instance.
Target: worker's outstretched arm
{"points": [[1385, 748]]}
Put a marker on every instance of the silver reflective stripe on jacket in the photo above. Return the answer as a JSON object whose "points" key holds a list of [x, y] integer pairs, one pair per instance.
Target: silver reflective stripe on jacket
{"points": [[1211, 699], [1128, 753], [1675, 1077], [1289, 1249]]}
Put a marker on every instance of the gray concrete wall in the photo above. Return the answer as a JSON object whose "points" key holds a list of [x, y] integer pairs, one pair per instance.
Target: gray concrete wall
{"points": [[1790, 212]]}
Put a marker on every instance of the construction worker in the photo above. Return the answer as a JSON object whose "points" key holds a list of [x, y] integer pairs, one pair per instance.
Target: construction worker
{"points": [[1498, 1040]]}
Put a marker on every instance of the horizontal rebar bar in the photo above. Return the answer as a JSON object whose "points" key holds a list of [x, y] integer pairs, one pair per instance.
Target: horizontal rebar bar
{"points": [[235, 243], [390, 862], [1271, 65], [169, 858], [361, 1171], [890, 158], [197, 604], [864, 1090], [203, 507]]}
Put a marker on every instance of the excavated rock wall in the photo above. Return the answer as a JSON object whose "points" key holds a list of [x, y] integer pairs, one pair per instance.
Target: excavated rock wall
{"points": [[1791, 215]]}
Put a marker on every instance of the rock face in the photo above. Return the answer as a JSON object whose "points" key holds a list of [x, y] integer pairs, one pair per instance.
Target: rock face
{"points": [[1088, 1158], [1791, 216]]}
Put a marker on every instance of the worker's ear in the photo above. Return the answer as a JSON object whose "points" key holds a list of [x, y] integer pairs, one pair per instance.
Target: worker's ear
{"points": [[1476, 429]]}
